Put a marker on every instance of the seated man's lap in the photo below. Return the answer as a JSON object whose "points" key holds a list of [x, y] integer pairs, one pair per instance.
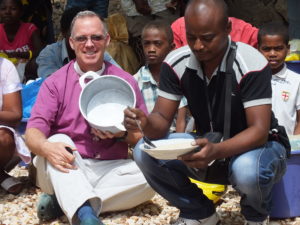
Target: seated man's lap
{"points": [[267, 162], [91, 170]]}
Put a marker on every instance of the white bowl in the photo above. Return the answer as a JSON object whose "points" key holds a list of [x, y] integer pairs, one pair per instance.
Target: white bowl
{"points": [[103, 100], [168, 149]]}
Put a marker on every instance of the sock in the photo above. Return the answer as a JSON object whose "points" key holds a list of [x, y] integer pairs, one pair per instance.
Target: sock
{"points": [[87, 215]]}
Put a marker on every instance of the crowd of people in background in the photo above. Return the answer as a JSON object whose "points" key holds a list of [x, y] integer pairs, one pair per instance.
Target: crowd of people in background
{"points": [[186, 50]]}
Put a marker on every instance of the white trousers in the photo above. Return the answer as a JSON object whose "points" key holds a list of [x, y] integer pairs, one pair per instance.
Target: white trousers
{"points": [[109, 185]]}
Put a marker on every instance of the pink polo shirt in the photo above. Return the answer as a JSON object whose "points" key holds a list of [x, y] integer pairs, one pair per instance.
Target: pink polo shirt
{"points": [[57, 111]]}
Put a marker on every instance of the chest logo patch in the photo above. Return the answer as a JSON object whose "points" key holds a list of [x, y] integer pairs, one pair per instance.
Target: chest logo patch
{"points": [[285, 95]]}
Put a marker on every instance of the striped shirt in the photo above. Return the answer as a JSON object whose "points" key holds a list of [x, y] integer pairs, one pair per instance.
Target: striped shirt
{"points": [[149, 89], [182, 75]]}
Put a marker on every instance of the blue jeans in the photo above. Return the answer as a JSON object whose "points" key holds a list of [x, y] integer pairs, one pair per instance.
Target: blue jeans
{"points": [[98, 6], [252, 174]]}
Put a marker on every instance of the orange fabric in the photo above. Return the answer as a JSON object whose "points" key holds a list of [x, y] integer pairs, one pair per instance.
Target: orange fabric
{"points": [[241, 31]]}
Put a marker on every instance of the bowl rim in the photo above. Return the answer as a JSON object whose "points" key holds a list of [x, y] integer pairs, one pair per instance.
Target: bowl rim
{"points": [[101, 77]]}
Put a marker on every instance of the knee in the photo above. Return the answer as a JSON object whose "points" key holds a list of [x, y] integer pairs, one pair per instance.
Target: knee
{"points": [[7, 141], [244, 174], [61, 138]]}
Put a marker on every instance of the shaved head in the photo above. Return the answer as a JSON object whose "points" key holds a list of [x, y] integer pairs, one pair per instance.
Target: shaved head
{"points": [[215, 9], [207, 29]]}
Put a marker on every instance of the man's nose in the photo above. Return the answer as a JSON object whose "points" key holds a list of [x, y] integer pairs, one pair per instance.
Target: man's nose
{"points": [[89, 42], [198, 45], [273, 53], [151, 48]]}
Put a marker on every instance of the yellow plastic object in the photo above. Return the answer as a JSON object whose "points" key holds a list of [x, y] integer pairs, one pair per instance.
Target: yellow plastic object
{"points": [[25, 2], [13, 60], [292, 57], [213, 191], [3, 55]]}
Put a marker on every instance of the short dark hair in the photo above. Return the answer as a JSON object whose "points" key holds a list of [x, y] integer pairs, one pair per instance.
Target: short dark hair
{"points": [[161, 26], [273, 28], [18, 3], [67, 17]]}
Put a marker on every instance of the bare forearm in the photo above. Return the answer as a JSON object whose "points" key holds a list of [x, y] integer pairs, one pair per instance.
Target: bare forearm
{"points": [[297, 129], [35, 140], [157, 126], [180, 121], [10, 118], [244, 141], [258, 121]]}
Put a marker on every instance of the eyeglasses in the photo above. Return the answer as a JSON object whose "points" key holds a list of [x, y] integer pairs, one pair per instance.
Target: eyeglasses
{"points": [[94, 38]]}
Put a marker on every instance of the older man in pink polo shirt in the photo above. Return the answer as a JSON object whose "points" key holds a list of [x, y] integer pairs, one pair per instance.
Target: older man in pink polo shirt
{"points": [[97, 177]]}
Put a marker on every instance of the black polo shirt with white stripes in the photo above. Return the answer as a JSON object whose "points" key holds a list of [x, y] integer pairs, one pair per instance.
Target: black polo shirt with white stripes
{"points": [[181, 74]]}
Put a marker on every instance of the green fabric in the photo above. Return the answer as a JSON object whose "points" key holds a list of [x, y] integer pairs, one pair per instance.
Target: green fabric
{"points": [[48, 208]]}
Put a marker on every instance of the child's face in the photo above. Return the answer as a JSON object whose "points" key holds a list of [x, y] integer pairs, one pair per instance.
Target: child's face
{"points": [[10, 12], [274, 48], [155, 46]]}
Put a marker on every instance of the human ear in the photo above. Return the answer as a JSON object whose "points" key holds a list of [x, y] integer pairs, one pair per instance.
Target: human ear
{"points": [[172, 46], [71, 43], [107, 40]]}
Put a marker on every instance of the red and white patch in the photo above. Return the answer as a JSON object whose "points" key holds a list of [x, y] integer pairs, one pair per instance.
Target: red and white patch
{"points": [[285, 95]]}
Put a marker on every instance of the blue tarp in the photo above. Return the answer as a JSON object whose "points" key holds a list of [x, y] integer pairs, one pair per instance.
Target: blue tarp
{"points": [[29, 94]]}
